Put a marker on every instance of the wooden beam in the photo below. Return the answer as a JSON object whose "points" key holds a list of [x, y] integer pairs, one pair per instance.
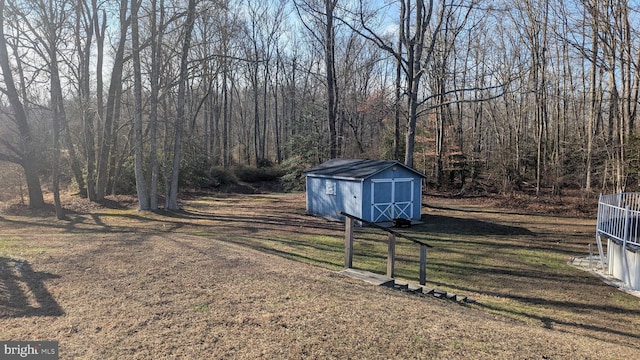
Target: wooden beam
{"points": [[423, 265], [391, 255], [348, 243], [349, 216]]}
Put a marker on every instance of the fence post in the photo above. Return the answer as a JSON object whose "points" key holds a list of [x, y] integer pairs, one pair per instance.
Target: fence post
{"points": [[391, 255], [625, 265], [348, 242], [600, 223], [423, 264], [620, 199]]}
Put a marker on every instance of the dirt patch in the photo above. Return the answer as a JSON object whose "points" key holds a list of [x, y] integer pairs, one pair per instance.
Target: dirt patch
{"points": [[207, 283], [574, 203], [576, 206]]}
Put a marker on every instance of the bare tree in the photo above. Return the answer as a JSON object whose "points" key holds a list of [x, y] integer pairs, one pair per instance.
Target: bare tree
{"points": [[141, 185], [594, 108], [323, 15], [172, 198], [83, 37], [420, 24], [25, 154], [113, 104], [52, 20], [46, 42], [535, 18], [330, 68], [157, 25]]}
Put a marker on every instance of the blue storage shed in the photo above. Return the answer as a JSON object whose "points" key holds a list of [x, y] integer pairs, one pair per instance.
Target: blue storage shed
{"points": [[374, 190]]}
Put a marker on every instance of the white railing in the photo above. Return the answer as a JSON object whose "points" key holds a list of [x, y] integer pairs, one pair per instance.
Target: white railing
{"points": [[619, 221], [619, 217]]}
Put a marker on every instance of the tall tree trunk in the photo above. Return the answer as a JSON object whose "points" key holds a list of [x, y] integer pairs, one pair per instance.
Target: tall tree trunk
{"points": [[539, 84], [99, 27], [156, 60], [593, 99], [141, 185], [256, 114], [113, 106], [28, 159], [442, 119], [265, 111], [276, 110], [172, 199], [419, 53], [83, 45], [332, 88], [398, 84], [115, 153], [74, 162], [225, 118], [57, 104]]}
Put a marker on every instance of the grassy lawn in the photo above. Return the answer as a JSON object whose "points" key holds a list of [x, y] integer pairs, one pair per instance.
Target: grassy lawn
{"points": [[239, 274], [514, 264]]}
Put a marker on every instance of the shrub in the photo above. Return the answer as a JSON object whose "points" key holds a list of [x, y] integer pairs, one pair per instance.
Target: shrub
{"points": [[294, 168], [193, 172], [220, 176], [125, 182], [257, 174]]}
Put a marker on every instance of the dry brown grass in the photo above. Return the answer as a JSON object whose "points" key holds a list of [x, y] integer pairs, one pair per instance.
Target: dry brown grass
{"points": [[230, 277]]}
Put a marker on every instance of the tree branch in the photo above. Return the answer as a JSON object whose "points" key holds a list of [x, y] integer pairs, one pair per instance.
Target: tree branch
{"points": [[462, 101], [373, 37]]}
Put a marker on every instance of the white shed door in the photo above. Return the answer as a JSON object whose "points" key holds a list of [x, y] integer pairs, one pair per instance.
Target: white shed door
{"points": [[391, 199]]}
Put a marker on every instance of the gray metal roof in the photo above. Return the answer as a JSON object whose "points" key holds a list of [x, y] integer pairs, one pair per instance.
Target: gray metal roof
{"points": [[355, 169]]}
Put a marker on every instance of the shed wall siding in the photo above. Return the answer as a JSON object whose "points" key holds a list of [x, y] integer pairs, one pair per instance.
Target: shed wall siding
{"points": [[417, 203], [322, 202]]}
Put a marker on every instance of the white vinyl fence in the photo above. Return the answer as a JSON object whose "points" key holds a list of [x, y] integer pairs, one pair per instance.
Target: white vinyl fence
{"points": [[619, 222]]}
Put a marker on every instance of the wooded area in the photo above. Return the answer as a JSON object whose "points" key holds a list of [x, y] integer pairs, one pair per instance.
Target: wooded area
{"points": [[143, 95]]}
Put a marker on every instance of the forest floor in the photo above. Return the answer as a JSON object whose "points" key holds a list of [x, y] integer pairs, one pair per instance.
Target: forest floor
{"points": [[252, 276]]}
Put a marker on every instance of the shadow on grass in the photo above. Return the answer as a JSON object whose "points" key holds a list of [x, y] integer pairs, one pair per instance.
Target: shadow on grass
{"points": [[22, 291], [463, 226], [272, 218], [491, 211], [550, 320]]}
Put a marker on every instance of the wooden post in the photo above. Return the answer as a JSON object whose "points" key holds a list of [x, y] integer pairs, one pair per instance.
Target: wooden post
{"points": [[348, 242], [391, 255], [423, 264]]}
